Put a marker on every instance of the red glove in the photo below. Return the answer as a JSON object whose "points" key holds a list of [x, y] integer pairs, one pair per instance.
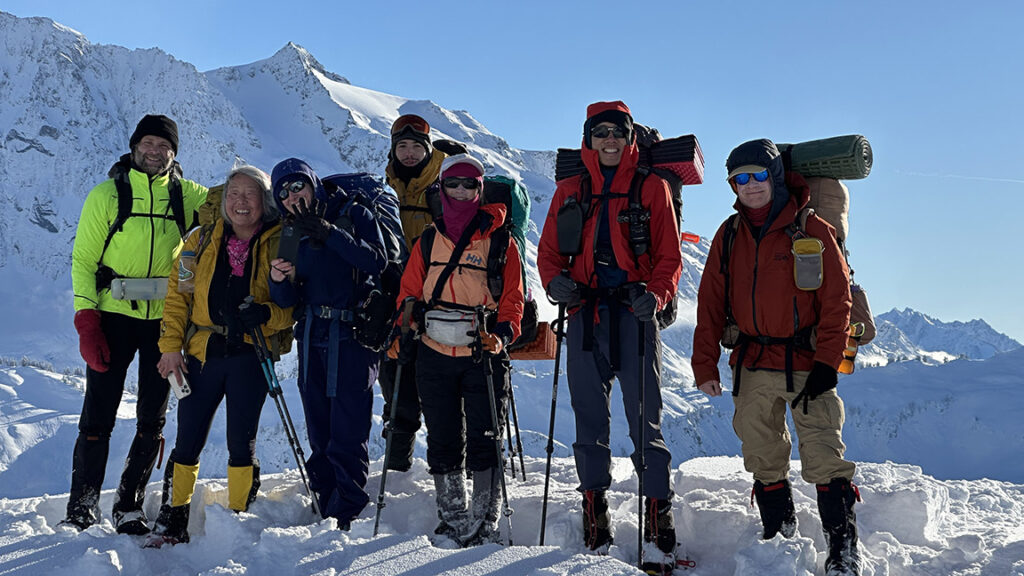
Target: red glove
{"points": [[91, 342]]}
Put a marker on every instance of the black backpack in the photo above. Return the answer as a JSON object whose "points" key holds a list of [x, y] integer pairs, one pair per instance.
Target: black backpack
{"points": [[376, 312]]}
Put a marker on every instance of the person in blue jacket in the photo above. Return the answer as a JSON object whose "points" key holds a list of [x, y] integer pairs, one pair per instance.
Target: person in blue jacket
{"points": [[340, 251]]}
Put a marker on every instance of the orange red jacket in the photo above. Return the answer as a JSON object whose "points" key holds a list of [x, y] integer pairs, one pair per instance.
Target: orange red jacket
{"points": [[660, 267], [467, 286], [764, 297]]}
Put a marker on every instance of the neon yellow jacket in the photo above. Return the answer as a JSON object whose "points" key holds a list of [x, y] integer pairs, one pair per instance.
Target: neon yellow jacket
{"points": [[145, 248]]}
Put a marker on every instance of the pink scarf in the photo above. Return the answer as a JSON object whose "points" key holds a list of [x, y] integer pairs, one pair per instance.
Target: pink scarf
{"points": [[238, 253]]}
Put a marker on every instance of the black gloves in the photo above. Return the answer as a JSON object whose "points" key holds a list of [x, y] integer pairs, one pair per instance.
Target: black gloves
{"points": [[563, 290], [407, 347], [645, 306], [821, 379], [309, 223], [251, 315]]}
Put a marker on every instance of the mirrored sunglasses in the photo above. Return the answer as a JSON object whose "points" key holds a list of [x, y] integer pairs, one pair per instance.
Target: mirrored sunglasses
{"points": [[290, 188], [744, 177], [467, 183], [604, 131]]}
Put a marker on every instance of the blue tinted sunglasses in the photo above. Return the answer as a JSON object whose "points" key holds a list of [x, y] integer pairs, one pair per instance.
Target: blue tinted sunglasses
{"points": [[744, 177]]}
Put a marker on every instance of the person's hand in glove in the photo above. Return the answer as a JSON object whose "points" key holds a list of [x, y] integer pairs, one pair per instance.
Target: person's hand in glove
{"points": [[496, 341], [403, 347], [252, 315], [92, 343], [308, 222], [645, 306], [821, 379], [563, 290]]}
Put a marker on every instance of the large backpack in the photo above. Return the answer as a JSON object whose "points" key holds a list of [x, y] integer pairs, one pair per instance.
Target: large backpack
{"points": [[376, 312], [822, 163], [677, 161]]}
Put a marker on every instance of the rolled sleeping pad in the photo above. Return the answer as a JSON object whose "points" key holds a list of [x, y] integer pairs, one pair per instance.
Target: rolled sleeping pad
{"points": [[682, 155], [840, 157]]}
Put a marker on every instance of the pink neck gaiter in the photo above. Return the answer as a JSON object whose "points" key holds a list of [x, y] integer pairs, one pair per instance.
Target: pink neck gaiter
{"points": [[457, 214], [238, 253]]}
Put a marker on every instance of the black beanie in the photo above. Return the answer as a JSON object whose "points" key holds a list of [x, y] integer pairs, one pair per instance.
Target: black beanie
{"points": [[156, 125]]}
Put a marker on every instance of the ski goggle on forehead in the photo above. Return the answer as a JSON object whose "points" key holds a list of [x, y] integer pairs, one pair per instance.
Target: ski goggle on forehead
{"points": [[290, 188], [410, 122], [744, 177]]}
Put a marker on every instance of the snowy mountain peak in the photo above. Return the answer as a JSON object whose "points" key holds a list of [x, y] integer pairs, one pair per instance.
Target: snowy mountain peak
{"points": [[909, 334], [294, 55]]}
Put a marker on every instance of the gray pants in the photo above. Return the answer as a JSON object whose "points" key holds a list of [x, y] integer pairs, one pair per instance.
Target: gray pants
{"points": [[590, 385]]}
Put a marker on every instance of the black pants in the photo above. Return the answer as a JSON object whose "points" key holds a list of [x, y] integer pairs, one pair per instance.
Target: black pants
{"points": [[239, 381], [457, 409], [407, 417], [125, 336]]}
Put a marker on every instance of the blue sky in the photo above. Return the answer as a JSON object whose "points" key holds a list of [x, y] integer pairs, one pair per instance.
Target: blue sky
{"points": [[937, 89]]}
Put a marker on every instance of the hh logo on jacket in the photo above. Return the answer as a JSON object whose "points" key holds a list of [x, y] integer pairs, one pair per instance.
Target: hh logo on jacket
{"points": [[474, 259]]}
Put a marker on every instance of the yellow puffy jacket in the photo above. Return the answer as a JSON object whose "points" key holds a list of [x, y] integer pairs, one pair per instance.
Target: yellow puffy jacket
{"points": [[175, 328], [412, 197], [146, 247]]}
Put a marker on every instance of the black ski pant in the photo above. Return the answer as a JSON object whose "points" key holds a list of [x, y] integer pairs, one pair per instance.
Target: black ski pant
{"points": [[239, 381], [590, 379], [457, 409], [125, 336], [407, 417]]}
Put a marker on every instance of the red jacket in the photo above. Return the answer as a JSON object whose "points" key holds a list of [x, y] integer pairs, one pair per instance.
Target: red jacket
{"points": [[765, 299], [467, 286], [660, 267]]}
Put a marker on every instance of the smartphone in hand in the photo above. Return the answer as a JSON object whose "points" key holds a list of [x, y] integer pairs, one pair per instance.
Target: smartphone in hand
{"points": [[288, 248], [179, 387]]}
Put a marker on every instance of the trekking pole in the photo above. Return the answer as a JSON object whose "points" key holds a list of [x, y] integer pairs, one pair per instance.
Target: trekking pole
{"points": [[559, 326], [511, 447], [390, 426], [642, 467], [263, 354], [515, 422], [496, 427]]}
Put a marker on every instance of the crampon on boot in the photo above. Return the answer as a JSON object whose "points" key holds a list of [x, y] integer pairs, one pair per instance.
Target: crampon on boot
{"points": [[775, 503], [597, 533]]}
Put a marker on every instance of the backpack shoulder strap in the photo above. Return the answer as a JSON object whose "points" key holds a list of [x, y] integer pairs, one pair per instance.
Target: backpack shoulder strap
{"points": [[798, 229], [497, 257], [124, 204], [453, 260], [586, 193], [177, 201]]}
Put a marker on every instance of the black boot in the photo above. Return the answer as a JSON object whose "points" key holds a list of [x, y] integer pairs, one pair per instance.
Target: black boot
{"points": [[597, 533], [839, 522], [775, 502], [131, 492], [171, 526], [660, 524], [88, 466]]}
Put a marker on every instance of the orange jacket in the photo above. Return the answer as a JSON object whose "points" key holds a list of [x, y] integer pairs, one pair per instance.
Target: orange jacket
{"points": [[467, 285], [764, 297], [660, 267]]}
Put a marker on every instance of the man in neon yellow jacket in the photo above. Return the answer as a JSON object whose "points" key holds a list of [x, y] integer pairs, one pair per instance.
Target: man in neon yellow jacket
{"points": [[129, 235]]}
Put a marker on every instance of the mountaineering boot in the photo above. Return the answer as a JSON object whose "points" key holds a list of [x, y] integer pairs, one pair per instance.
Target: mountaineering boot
{"points": [[775, 502], [659, 531], [597, 533], [171, 526], [452, 508], [88, 466], [402, 445], [486, 501], [131, 491], [839, 522], [243, 485]]}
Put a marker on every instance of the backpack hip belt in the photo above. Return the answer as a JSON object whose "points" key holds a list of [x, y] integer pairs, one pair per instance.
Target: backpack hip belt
{"points": [[328, 313]]}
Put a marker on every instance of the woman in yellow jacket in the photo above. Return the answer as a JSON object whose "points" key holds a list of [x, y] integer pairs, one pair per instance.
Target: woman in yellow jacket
{"points": [[207, 316]]}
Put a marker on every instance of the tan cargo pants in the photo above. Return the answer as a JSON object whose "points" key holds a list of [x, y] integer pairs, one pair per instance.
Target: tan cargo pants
{"points": [[760, 424]]}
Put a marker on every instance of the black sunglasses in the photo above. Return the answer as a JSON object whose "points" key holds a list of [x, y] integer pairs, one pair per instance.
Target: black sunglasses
{"points": [[604, 131], [290, 188], [455, 182]]}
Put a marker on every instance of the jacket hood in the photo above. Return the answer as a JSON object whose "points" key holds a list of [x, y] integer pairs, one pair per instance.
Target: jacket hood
{"points": [[287, 169]]}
